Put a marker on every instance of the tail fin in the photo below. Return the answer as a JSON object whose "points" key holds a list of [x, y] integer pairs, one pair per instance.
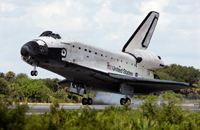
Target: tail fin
{"points": [[142, 36]]}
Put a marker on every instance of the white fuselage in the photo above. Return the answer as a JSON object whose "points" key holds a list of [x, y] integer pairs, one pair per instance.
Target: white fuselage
{"points": [[99, 59]]}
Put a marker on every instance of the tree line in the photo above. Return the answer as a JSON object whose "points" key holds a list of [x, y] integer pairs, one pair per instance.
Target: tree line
{"points": [[180, 73], [24, 89]]}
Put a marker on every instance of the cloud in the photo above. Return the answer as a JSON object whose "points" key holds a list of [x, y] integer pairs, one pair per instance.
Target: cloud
{"points": [[156, 5], [112, 36], [105, 16], [6, 7], [59, 15]]}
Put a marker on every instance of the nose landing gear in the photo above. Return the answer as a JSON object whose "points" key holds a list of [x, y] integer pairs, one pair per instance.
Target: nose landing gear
{"points": [[34, 72]]}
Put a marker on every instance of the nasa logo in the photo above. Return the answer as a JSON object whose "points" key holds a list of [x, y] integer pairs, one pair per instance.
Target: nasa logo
{"points": [[136, 74]]}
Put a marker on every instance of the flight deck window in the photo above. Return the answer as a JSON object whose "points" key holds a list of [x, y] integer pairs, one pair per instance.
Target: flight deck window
{"points": [[50, 34], [46, 33]]}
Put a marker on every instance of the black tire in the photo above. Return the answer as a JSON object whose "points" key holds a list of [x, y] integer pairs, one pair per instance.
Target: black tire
{"points": [[122, 101], [35, 73], [84, 101], [128, 100], [89, 101], [32, 73]]}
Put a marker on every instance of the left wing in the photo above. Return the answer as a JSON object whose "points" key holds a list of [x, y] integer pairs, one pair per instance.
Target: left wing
{"points": [[111, 82], [144, 85]]}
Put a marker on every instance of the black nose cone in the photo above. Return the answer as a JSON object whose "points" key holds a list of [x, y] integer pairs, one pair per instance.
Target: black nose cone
{"points": [[25, 50], [29, 48]]}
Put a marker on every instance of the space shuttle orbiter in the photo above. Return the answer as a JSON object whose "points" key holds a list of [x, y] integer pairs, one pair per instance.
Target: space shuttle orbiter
{"points": [[128, 72]]}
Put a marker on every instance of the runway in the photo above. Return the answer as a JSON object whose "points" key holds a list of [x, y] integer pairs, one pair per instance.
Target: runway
{"points": [[41, 108]]}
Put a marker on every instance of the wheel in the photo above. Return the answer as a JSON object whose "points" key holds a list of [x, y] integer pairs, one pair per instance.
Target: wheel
{"points": [[35, 73], [32, 73], [89, 100], [128, 100], [122, 101], [84, 101]]}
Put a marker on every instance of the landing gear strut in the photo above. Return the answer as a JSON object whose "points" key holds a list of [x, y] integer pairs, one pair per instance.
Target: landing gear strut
{"points": [[125, 100], [34, 72], [88, 100]]}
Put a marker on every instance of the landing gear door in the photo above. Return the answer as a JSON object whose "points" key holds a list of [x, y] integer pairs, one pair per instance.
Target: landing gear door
{"points": [[126, 89], [76, 89]]}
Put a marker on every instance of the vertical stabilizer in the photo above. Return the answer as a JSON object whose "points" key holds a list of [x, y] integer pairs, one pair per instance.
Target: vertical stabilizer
{"points": [[142, 36]]}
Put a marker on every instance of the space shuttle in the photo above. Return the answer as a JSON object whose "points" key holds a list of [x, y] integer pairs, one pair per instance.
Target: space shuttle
{"points": [[128, 72]]}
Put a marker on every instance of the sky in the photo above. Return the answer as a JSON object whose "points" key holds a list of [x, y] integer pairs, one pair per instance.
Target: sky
{"points": [[107, 24]]}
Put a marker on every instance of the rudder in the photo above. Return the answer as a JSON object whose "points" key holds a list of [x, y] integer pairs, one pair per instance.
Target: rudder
{"points": [[142, 36]]}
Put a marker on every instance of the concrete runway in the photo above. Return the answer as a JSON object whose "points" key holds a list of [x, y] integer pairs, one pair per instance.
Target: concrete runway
{"points": [[42, 108]]}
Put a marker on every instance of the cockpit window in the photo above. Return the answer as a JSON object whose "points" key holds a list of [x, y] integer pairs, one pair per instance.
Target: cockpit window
{"points": [[50, 34]]}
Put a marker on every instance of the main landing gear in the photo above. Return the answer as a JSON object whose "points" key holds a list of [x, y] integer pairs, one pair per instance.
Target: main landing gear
{"points": [[125, 100], [34, 72], [79, 89], [88, 100]]}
